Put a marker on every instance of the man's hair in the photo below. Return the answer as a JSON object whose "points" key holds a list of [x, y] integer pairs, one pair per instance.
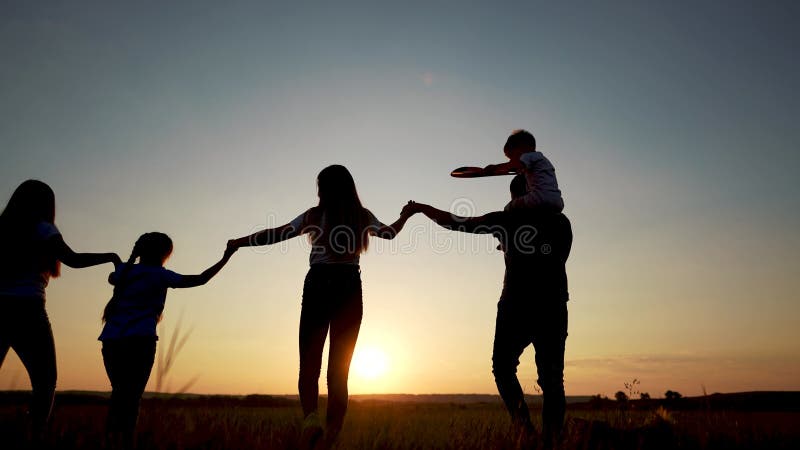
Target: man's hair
{"points": [[520, 138]]}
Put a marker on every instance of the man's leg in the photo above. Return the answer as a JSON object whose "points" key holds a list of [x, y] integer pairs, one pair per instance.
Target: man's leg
{"points": [[549, 343], [4, 346], [8, 319], [510, 340]]}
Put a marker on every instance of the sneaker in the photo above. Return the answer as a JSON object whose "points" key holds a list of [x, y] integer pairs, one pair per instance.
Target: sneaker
{"points": [[524, 435], [312, 431], [328, 438]]}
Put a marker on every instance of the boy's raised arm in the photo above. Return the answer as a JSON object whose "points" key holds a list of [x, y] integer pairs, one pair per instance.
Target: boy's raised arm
{"points": [[501, 168]]}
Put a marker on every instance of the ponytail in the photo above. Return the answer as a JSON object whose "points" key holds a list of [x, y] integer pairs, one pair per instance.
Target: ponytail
{"points": [[113, 304]]}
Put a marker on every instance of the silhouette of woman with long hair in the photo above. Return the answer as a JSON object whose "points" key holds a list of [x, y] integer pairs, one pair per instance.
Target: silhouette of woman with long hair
{"points": [[31, 250], [129, 335], [339, 228]]}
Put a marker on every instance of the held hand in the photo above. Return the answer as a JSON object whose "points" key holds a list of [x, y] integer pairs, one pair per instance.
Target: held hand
{"points": [[410, 209], [116, 260], [230, 249]]}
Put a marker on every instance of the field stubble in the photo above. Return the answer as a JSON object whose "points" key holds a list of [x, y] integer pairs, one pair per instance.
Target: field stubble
{"points": [[166, 425]]}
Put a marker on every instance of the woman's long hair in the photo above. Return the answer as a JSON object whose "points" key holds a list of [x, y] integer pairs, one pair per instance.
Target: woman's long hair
{"points": [[346, 220], [153, 246], [32, 203]]}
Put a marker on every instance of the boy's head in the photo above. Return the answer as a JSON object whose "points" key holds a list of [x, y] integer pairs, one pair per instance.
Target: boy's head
{"points": [[519, 143], [519, 186]]}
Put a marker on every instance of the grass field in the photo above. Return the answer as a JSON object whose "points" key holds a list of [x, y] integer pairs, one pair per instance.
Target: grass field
{"points": [[219, 423]]}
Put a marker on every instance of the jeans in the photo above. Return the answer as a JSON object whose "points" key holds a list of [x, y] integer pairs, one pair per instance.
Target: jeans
{"points": [[331, 302], [544, 326], [25, 327], [128, 363]]}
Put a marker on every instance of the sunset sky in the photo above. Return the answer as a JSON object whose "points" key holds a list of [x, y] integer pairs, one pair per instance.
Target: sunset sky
{"points": [[673, 127]]}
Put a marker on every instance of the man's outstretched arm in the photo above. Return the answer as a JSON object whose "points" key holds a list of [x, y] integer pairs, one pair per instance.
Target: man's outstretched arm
{"points": [[478, 225]]}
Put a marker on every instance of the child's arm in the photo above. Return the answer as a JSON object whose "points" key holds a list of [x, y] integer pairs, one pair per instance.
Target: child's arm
{"points": [[187, 281], [265, 237], [502, 168], [66, 255]]}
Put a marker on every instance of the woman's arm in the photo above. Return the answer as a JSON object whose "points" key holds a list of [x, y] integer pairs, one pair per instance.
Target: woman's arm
{"points": [[66, 255], [265, 237], [391, 231], [188, 281]]}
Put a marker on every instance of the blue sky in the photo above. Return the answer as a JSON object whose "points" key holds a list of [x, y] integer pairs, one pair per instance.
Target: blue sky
{"points": [[672, 126]]}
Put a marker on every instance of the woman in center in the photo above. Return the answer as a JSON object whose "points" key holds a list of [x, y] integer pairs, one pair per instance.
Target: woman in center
{"points": [[339, 228]]}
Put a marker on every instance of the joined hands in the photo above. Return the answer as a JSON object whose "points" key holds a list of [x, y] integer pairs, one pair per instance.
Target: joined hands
{"points": [[230, 248], [412, 208]]}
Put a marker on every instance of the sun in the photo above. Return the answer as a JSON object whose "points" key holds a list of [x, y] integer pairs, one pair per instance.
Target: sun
{"points": [[370, 363]]}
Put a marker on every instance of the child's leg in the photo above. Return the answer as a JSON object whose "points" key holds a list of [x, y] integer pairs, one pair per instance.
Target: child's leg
{"points": [[128, 362], [111, 361]]}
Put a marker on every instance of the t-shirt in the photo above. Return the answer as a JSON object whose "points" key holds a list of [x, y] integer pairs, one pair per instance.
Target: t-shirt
{"points": [[536, 247], [543, 191], [341, 252], [139, 302], [30, 281]]}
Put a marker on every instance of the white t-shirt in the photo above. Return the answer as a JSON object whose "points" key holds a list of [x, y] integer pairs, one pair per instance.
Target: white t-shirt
{"points": [[140, 302], [312, 223], [543, 190], [31, 283]]}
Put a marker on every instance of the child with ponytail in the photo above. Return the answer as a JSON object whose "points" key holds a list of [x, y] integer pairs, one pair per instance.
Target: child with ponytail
{"points": [[130, 317]]}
